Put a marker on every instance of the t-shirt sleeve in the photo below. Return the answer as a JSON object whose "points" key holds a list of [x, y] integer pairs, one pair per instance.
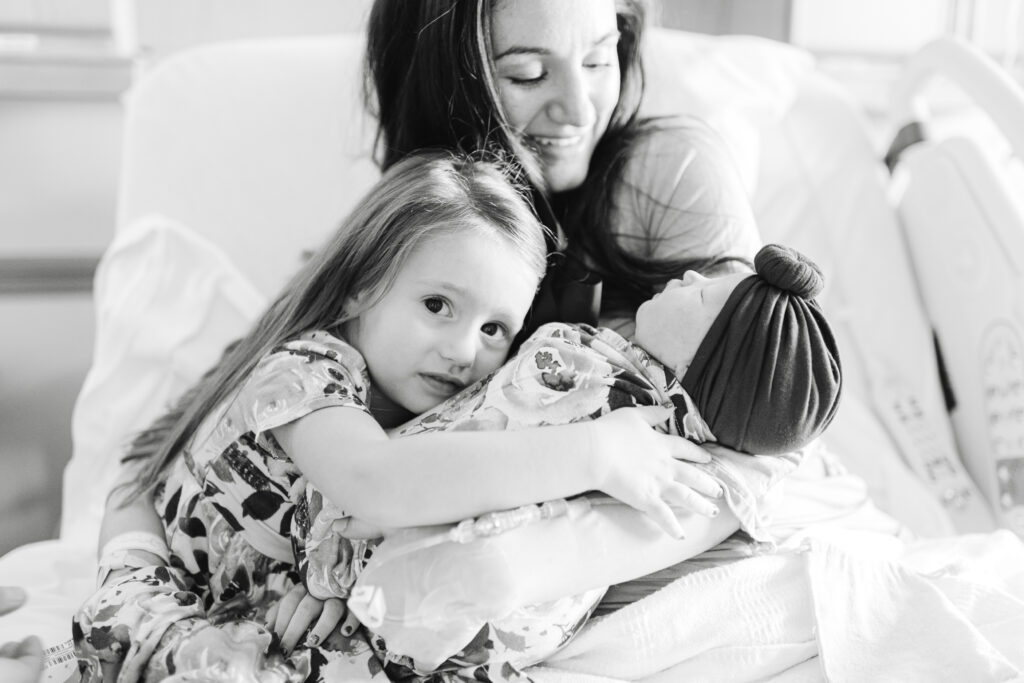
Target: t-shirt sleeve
{"points": [[683, 198], [301, 376]]}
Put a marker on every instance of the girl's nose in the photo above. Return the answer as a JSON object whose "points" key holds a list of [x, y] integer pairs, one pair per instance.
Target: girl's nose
{"points": [[571, 103], [460, 348]]}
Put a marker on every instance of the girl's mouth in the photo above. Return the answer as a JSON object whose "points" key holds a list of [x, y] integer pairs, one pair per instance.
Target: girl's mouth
{"points": [[442, 384]]}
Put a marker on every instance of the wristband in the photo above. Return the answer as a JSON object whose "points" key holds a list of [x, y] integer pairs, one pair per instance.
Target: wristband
{"points": [[124, 551]]}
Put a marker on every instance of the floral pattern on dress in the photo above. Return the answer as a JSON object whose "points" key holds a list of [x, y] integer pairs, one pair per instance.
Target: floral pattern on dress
{"points": [[229, 507]]}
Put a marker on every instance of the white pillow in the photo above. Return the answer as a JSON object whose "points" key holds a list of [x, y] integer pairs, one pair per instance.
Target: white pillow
{"points": [[167, 303]]}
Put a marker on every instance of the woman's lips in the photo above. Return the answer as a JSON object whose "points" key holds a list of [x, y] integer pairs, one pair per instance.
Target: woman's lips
{"points": [[556, 141]]}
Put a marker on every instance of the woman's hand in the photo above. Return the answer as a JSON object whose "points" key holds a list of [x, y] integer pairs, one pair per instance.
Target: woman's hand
{"points": [[298, 610], [646, 469]]}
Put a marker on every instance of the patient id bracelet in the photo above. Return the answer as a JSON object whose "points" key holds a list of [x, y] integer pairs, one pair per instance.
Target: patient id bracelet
{"points": [[124, 551]]}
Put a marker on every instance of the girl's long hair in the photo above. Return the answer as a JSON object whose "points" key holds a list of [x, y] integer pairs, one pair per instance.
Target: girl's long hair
{"points": [[430, 82], [421, 196]]}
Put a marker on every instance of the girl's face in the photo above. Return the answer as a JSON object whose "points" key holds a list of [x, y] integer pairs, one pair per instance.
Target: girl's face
{"points": [[558, 79], [671, 325], [446, 321]]}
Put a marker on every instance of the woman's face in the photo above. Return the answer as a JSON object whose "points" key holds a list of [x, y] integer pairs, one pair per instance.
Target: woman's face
{"points": [[558, 78], [671, 325]]}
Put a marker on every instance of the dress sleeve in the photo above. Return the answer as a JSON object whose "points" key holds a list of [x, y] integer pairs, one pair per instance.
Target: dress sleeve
{"points": [[315, 371], [682, 197]]}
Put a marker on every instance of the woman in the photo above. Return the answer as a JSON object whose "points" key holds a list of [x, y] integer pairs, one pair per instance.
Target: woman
{"points": [[556, 87]]}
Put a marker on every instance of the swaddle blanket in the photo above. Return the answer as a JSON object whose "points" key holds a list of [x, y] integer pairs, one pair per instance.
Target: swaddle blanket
{"points": [[561, 374]]}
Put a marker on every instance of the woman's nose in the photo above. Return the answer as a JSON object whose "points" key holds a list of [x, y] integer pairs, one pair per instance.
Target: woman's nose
{"points": [[571, 104]]}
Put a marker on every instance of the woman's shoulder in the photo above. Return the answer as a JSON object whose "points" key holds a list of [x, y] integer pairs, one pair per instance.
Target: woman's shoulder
{"points": [[678, 142], [682, 196]]}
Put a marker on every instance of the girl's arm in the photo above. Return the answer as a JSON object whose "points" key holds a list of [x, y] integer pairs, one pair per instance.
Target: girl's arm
{"points": [[448, 476], [137, 526]]}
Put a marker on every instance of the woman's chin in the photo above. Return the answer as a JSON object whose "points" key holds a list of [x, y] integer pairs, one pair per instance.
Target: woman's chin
{"points": [[563, 177]]}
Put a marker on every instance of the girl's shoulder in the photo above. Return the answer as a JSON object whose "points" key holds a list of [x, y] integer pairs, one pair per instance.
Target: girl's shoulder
{"points": [[313, 369], [313, 346]]}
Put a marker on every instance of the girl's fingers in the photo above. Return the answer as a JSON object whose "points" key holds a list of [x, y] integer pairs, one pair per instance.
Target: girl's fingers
{"points": [[308, 610], [351, 623], [11, 598], [286, 608], [271, 619], [333, 610], [653, 415], [684, 449], [698, 480], [682, 496]]}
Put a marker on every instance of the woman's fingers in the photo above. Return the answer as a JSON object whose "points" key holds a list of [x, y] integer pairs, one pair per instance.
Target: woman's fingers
{"points": [[333, 610], [663, 516], [308, 610], [697, 479]]}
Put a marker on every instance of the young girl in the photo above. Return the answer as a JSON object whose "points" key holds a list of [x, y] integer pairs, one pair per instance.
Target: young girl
{"points": [[419, 294]]}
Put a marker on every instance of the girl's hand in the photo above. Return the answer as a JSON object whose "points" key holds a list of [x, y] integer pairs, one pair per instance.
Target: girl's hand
{"points": [[297, 610], [645, 470], [22, 662]]}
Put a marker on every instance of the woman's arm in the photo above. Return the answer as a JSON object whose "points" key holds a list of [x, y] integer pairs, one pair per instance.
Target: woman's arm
{"points": [[417, 595], [448, 476]]}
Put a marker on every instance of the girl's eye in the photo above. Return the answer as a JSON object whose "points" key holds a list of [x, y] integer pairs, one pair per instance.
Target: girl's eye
{"points": [[435, 304], [494, 330]]}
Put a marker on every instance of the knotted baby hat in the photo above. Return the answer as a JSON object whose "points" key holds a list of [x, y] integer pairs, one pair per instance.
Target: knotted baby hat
{"points": [[767, 377]]}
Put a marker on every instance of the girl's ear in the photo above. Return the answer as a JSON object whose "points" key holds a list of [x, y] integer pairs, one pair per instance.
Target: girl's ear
{"points": [[354, 306]]}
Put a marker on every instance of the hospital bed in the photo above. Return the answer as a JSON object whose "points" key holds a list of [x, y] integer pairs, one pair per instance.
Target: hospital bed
{"points": [[241, 157]]}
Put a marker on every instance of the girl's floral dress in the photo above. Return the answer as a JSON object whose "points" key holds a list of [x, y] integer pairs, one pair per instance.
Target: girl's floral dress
{"points": [[234, 508]]}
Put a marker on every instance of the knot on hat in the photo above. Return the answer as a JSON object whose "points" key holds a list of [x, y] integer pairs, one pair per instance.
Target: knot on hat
{"points": [[789, 270]]}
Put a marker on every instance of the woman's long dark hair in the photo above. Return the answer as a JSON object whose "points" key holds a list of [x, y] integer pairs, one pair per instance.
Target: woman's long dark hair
{"points": [[430, 82]]}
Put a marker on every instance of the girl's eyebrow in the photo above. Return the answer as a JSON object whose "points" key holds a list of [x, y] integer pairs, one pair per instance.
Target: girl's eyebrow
{"points": [[524, 50]]}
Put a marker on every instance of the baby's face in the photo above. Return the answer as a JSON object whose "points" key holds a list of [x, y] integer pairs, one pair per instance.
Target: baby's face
{"points": [[671, 325]]}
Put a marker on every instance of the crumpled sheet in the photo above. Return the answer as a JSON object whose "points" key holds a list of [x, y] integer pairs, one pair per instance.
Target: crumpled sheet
{"points": [[841, 606]]}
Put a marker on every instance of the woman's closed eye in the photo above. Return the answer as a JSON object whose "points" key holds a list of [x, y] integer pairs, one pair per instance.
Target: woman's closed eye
{"points": [[527, 76]]}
